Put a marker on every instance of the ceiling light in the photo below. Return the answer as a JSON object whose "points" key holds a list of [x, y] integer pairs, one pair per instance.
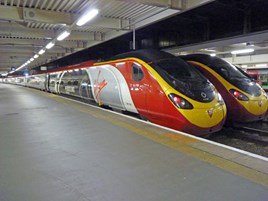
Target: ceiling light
{"points": [[41, 51], [50, 45], [243, 51], [244, 66], [63, 35], [36, 56], [87, 17], [213, 54], [31, 59], [209, 50], [261, 65]]}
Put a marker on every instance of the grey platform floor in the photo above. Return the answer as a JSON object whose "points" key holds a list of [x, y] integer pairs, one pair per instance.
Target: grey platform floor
{"points": [[52, 149]]}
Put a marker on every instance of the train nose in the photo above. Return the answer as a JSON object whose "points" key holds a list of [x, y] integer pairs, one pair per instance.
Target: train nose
{"points": [[206, 120]]}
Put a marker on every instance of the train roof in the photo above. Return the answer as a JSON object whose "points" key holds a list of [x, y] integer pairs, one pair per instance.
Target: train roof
{"points": [[147, 55], [212, 62]]}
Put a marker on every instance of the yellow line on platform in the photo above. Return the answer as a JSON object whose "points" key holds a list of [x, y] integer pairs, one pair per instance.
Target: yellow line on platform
{"points": [[175, 141]]}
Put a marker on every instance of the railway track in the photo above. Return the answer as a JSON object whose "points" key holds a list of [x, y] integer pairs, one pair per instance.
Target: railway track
{"points": [[251, 137], [257, 132]]}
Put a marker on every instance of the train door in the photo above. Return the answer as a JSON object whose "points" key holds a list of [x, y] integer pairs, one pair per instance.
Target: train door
{"points": [[60, 83], [138, 85], [47, 80], [85, 89]]}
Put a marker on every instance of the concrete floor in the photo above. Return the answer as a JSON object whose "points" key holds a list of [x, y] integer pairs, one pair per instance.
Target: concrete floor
{"points": [[57, 150]]}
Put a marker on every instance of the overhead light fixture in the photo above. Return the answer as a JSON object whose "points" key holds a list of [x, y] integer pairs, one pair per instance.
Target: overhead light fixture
{"points": [[42, 51], [31, 59], [213, 54], [87, 17], [50, 45], [261, 65], [63, 35], [244, 66], [209, 50], [36, 56], [243, 51]]}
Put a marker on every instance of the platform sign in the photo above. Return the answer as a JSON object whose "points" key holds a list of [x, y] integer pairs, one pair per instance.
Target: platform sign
{"points": [[43, 68]]}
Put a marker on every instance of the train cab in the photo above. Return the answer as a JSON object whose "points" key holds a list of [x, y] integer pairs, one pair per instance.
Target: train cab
{"points": [[246, 101]]}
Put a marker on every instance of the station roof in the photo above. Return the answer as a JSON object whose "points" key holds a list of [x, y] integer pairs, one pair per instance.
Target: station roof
{"points": [[27, 26]]}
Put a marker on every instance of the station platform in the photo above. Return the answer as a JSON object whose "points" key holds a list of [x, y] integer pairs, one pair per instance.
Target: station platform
{"points": [[56, 149]]}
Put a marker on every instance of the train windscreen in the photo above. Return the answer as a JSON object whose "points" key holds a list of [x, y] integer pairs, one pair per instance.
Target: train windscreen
{"points": [[236, 77], [229, 72], [185, 78]]}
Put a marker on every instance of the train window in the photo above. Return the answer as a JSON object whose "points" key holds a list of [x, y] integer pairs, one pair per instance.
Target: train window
{"points": [[185, 78], [75, 82], [224, 72], [137, 73]]}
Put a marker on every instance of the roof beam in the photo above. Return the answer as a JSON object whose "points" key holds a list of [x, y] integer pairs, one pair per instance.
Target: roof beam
{"points": [[254, 37], [39, 43], [12, 30], [175, 4], [189, 4], [110, 23], [30, 50], [35, 15], [51, 17]]}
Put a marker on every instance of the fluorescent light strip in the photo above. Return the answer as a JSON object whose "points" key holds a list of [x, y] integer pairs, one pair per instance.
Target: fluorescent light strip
{"points": [[36, 56], [243, 51], [87, 17], [41, 52], [50, 45], [261, 65], [63, 35]]}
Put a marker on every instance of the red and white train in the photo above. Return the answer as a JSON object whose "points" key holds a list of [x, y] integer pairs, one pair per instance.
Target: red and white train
{"points": [[153, 84]]}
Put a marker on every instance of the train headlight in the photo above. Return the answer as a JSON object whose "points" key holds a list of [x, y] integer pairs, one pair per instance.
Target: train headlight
{"points": [[180, 102], [220, 99], [238, 95]]}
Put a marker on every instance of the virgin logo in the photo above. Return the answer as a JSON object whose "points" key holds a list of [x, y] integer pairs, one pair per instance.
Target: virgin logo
{"points": [[98, 86]]}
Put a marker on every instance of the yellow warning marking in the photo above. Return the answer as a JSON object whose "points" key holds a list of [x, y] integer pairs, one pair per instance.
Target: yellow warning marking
{"points": [[178, 142], [181, 138]]}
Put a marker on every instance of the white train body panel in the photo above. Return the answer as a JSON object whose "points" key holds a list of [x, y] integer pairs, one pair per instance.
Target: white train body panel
{"points": [[36, 81], [109, 87], [54, 82]]}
